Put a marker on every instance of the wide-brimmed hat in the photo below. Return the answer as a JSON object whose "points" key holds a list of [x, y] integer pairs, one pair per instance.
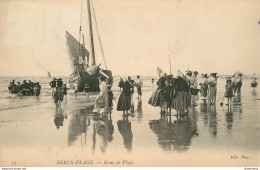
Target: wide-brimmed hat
{"points": [[214, 75], [189, 73], [195, 72], [205, 76]]}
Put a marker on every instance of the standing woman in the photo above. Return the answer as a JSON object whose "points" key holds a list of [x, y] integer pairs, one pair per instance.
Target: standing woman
{"points": [[204, 87], [103, 93], [139, 87], [229, 91], [124, 101], [180, 102], [212, 91], [157, 99]]}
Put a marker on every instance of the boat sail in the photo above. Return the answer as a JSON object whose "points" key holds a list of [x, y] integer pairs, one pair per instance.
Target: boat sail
{"points": [[85, 74]]}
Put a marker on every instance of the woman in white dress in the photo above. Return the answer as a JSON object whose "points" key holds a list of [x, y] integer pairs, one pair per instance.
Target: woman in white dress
{"points": [[103, 92]]}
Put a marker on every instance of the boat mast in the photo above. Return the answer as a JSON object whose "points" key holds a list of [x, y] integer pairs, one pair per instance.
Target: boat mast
{"points": [[100, 44], [80, 32], [91, 36]]}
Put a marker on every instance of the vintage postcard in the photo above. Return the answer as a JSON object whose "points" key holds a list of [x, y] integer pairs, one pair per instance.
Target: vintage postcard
{"points": [[129, 83]]}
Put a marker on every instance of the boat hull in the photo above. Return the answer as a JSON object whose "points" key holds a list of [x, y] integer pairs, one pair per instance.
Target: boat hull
{"points": [[82, 77]]}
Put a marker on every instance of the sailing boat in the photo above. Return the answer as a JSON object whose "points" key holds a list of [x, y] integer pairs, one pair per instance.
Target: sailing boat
{"points": [[85, 74]]}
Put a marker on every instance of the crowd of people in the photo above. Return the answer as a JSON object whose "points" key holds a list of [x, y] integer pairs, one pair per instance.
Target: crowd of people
{"points": [[182, 92], [24, 89], [178, 93]]}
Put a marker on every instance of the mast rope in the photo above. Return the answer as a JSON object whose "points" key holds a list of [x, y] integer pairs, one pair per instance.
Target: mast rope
{"points": [[103, 55]]}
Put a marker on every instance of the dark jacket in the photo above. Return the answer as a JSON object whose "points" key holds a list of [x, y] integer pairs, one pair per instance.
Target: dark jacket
{"points": [[161, 83], [181, 85], [127, 88], [59, 83]]}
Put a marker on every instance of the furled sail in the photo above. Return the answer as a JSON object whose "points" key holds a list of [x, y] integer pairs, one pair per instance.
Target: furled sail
{"points": [[76, 50]]}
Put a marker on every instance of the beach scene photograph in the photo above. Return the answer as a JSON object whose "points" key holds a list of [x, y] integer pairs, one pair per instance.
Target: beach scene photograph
{"points": [[120, 83]]}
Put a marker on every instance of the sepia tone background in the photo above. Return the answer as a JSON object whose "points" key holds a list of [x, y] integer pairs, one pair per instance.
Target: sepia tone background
{"points": [[207, 36], [137, 36]]}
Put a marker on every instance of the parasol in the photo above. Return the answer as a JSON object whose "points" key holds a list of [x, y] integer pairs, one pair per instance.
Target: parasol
{"points": [[238, 73]]}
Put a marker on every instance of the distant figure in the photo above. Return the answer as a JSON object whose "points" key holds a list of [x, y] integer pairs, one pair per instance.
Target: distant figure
{"points": [[19, 86], [229, 90], [58, 97], [139, 87], [133, 84], [10, 87], [212, 91], [193, 88], [31, 87], [103, 93], [53, 86], [254, 82], [152, 83], [124, 101], [25, 91], [65, 91], [204, 87], [238, 81], [37, 89]]}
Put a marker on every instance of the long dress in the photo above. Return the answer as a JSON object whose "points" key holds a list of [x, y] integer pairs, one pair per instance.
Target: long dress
{"points": [[204, 88], [124, 101], [157, 99], [193, 89], [103, 92], [212, 90], [229, 91], [182, 99]]}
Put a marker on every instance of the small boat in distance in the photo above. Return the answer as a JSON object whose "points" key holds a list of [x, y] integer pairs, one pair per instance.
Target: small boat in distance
{"points": [[49, 74], [85, 74]]}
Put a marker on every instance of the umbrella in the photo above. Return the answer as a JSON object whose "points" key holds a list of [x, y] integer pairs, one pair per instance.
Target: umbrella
{"points": [[238, 73]]}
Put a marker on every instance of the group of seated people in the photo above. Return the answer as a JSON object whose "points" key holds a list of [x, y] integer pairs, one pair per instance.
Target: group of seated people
{"points": [[25, 89]]}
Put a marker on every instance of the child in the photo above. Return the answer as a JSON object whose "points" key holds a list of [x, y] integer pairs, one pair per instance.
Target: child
{"points": [[229, 90]]}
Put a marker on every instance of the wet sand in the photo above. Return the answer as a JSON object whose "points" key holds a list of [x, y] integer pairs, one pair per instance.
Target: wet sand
{"points": [[41, 135]]}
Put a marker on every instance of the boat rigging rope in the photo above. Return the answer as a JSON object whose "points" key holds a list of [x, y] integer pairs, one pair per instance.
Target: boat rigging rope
{"points": [[98, 35]]}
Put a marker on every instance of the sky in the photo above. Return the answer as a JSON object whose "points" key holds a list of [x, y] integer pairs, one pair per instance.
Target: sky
{"points": [[137, 36]]}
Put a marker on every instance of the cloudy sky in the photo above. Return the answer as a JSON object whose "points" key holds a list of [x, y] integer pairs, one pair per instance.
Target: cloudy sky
{"points": [[137, 35]]}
